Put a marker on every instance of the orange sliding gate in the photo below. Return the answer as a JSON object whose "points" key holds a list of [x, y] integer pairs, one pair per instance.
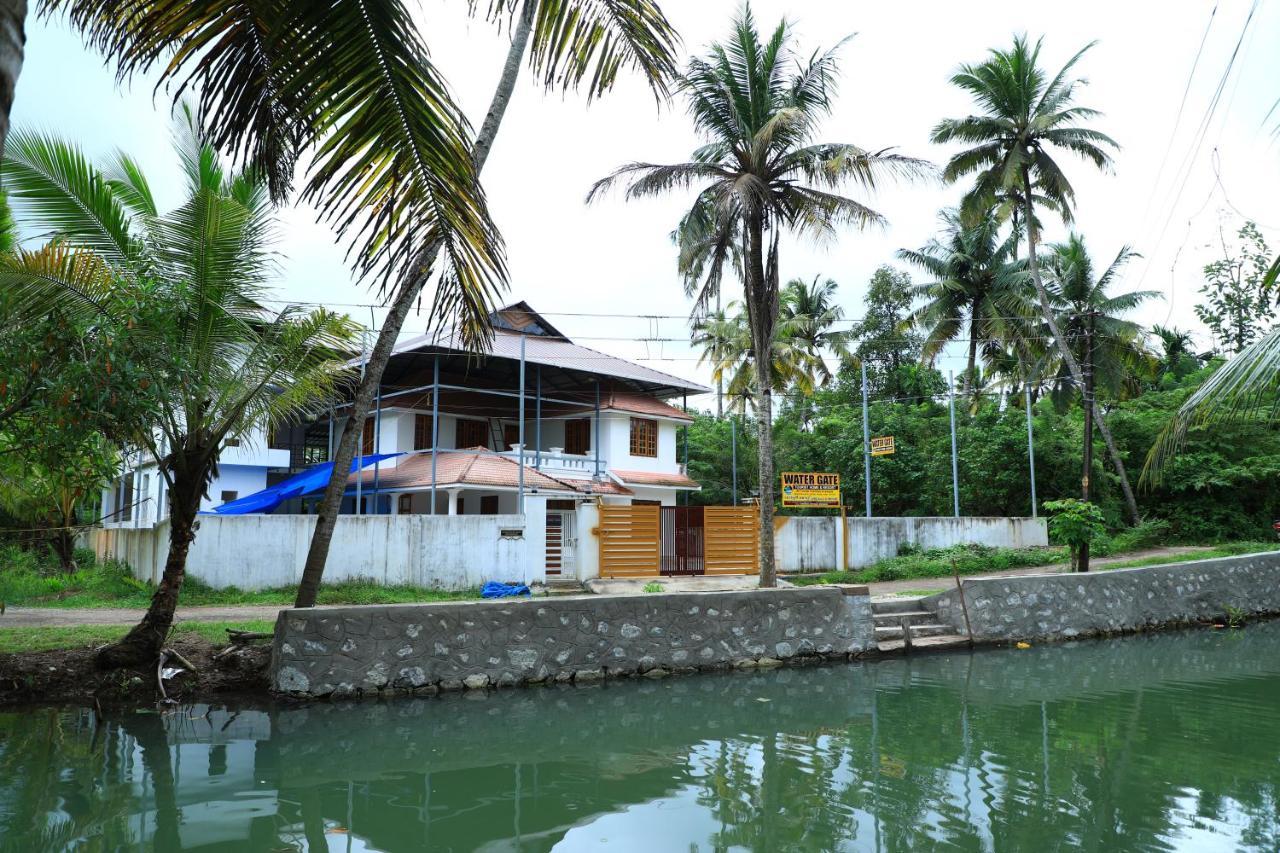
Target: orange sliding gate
{"points": [[651, 541]]}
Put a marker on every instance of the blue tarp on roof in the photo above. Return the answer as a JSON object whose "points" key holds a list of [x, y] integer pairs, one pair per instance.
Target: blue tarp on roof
{"points": [[314, 479]]}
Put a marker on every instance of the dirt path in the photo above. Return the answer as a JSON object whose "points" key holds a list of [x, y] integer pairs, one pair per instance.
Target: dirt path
{"points": [[35, 617], [939, 584]]}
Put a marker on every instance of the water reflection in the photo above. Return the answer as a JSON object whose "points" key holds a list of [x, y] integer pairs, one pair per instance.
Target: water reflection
{"points": [[1152, 743]]}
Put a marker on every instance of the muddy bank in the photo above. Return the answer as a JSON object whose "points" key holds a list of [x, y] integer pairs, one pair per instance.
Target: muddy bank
{"points": [[69, 676]]}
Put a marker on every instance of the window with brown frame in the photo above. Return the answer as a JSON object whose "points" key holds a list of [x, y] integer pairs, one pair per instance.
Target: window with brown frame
{"points": [[405, 505], [510, 436], [366, 438], [489, 505], [470, 434], [577, 435], [644, 437], [423, 432]]}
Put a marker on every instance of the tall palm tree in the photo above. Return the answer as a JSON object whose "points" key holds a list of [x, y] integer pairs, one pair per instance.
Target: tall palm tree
{"points": [[977, 283], [1080, 299], [186, 284], [1177, 353], [1024, 117], [811, 308], [758, 105], [566, 43]]}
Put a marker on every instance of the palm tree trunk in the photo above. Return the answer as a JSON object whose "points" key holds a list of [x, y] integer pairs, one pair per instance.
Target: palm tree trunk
{"points": [[142, 644], [968, 382], [13, 38], [1072, 364], [331, 503], [760, 316]]}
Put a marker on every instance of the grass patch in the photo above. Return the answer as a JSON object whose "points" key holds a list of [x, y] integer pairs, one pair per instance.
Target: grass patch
{"points": [[1228, 549], [27, 582], [916, 593], [654, 586], [936, 563], [40, 639]]}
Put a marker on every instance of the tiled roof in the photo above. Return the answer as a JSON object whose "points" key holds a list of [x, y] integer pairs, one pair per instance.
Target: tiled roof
{"points": [[459, 468], [596, 487], [654, 478]]}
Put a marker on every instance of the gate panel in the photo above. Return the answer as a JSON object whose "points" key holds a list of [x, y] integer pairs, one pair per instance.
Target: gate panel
{"points": [[732, 540], [629, 541], [683, 540]]}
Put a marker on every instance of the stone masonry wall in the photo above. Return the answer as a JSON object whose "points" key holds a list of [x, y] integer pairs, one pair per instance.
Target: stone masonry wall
{"points": [[1073, 605], [345, 651]]}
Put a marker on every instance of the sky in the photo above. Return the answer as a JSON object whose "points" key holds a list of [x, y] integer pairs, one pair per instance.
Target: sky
{"points": [[605, 274]]}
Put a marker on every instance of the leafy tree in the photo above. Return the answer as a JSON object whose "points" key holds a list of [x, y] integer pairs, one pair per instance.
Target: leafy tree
{"points": [[1177, 358], [711, 458], [1076, 523], [1238, 304], [758, 105], [977, 285], [887, 344], [186, 285], [1025, 116]]}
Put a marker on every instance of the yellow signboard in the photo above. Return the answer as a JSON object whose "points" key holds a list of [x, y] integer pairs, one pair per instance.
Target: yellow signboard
{"points": [[810, 489], [882, 445]]}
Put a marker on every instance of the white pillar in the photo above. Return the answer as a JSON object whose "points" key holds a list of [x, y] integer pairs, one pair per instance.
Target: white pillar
{"points": [[453, 500], [395, 503]]}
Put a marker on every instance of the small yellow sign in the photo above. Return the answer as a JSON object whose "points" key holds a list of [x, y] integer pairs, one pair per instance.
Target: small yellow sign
{"points": [[810, 489], [882, 445]]}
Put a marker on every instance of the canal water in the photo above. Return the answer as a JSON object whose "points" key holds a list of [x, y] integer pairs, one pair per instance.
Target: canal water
{"points": [[1165, 742]]}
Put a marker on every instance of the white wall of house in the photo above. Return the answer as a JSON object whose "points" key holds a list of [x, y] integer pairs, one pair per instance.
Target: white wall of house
{"points": [[617, 445]]}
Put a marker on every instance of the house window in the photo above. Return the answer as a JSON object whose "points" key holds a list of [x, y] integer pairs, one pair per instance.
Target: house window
{"points": [[422, 432], [366, 438], [470, 434], [229, 496], [577, 435], [489, 505], [405, 506], [510, 435], [644, 437]]}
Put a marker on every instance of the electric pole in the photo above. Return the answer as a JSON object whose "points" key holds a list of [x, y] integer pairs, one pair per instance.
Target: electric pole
{"points": [[1083, 565]]}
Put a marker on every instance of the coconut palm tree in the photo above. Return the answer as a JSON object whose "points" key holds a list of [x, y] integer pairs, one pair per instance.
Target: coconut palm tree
{"points": [[1080, 299], [726, 343], [977, 284], [186, 283], [758, 106], [1177, 354], [811, 308], [568, 45], [1025, 117]]}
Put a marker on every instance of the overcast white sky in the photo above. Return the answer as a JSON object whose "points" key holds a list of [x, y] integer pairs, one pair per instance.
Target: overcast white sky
{"points": [[616, 258]]}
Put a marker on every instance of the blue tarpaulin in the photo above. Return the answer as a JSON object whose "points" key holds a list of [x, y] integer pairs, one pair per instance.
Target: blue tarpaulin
{"points": [[493, 589], [314, 479]]}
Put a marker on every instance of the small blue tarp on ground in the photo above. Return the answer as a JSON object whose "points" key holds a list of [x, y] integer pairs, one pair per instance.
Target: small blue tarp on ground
{"points": [[314, 479], [493, 589]]}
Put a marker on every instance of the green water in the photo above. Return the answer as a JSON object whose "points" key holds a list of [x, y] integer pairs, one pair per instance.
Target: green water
{"points": [[1167, 742]]}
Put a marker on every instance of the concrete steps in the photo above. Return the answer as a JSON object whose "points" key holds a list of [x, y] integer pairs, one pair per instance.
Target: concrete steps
{"points": [[896, 619], [565, 587]]}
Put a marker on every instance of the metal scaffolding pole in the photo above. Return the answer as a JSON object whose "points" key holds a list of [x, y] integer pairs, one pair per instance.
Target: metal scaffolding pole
{"points": [[377, 449], [537, 420], [866, 439], [1031, 450], [955, 469], [685, 406], [520, 439], [435, 429], [595, 439]]}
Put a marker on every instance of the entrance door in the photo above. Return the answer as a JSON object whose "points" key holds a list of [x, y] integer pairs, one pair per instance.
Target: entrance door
{"points": [[562, 542], [683, 540]]}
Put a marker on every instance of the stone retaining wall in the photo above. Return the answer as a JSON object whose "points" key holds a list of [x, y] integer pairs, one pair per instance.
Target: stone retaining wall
{"points": [[347, 651], [1062, 606]]}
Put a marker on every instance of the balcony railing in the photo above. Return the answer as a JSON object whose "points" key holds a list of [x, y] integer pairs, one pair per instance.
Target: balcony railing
{"points": [[556, 459]]}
